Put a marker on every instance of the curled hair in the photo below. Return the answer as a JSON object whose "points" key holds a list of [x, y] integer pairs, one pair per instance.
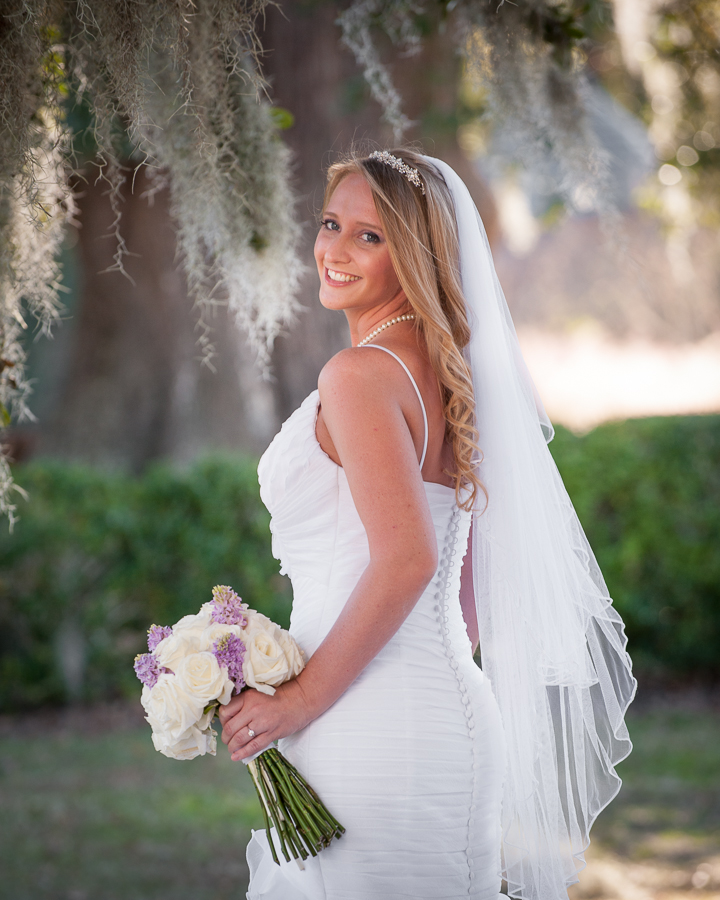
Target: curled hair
{"points": [[422, 239]]}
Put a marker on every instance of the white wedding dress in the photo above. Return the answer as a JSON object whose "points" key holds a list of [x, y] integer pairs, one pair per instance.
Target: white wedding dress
{"points": [[410, 759]]}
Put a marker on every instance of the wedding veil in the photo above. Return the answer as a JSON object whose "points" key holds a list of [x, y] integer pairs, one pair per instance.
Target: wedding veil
{"points": [[551, 642]]}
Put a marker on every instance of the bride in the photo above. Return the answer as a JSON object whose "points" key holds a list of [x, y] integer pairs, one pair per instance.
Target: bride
{"points": [[417, 510]]}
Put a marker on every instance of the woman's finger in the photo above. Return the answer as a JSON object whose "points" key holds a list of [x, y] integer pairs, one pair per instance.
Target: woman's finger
{"points": [[230, 709], [244, 736], [234, 726], [254, 745]]}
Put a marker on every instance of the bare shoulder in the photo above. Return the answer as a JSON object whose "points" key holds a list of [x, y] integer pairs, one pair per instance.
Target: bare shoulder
{"points": [[358, 376], [343, 367]]}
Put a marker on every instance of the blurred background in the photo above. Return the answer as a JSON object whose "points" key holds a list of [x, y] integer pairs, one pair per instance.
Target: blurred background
{"points": [[140, 463]]}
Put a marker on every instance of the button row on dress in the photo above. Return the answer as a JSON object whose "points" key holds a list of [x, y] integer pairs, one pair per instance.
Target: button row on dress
{"points": [[447, 564]]}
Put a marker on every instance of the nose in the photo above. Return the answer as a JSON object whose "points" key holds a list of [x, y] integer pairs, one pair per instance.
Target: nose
{"points": [[337, 250]]}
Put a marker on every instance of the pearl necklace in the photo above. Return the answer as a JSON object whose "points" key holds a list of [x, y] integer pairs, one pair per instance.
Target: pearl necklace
{"points": [[404, 318]]}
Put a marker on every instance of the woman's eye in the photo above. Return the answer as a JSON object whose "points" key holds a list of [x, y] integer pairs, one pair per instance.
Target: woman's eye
{"points": [[369, 237], [330, 225]]}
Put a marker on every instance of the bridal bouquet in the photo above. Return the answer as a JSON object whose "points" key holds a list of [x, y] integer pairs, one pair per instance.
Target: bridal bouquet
{"points": [[194, 667]]}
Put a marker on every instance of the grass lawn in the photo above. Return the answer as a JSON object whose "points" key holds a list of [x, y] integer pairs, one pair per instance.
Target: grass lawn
{"points": [[94, 813], [660, 838], [91, 812]]}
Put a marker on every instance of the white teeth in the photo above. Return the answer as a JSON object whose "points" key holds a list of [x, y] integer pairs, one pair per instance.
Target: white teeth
{"points": [[340, 276]]}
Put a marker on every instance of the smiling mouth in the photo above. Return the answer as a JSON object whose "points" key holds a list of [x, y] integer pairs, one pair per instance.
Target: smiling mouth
{"points": [[339, 277]]}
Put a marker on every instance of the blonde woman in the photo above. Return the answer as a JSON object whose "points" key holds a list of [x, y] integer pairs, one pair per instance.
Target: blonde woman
{"points": [[424, 438]]}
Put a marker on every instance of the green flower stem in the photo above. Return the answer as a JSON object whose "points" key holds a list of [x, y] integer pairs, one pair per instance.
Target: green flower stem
{"points": [[301, 814], [273, 814], [288, 788], [312, 836], [318, 821], [330, 826], [327, 829], [316, 828], [296, 840], [287, 825], [321, 831], [299, 778], [252, 768], [267, 810], [276, 811], [293, 823], [292, 807]]}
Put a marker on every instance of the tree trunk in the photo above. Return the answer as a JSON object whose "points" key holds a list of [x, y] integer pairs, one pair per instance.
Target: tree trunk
{"points": [[316, 79], [134, 389]]}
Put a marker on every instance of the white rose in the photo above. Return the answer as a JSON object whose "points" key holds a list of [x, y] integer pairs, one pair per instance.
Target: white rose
{"points": [[202, 618], [200, 676], [265, 663], [294, 655], [193, 626], [171, 651], [215, 631], [206, 718], [258, 622], [170, 710], [194, 742]]}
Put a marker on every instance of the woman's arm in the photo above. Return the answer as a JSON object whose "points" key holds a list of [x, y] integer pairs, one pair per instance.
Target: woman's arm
{"points": [[365, 419]]}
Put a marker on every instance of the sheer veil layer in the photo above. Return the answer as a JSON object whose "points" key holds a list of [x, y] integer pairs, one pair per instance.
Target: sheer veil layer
{"points": [[551, 642]]}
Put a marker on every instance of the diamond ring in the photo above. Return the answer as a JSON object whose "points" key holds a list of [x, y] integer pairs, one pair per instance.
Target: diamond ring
{"points": [[251, 732]]}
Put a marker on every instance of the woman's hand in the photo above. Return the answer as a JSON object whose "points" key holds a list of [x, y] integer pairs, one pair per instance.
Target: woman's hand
{"points": [[270, 717]]}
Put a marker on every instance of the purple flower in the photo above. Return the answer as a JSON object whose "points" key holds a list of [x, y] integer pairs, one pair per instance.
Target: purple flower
{"points": [[227, 607], [229, 651], [147, 669], [157, 633]]}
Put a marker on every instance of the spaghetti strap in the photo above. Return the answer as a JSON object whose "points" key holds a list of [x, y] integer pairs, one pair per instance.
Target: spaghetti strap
{"points": [[417, 391]]}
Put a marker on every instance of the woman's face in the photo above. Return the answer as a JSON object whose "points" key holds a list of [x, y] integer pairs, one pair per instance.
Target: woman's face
{"points": [[351, 253]]}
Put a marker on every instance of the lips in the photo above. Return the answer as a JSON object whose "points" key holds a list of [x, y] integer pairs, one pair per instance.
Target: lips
{"points": [[332, 276]]}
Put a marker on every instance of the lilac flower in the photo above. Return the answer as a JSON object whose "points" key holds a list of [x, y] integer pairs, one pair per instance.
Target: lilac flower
{"points": [[227, 607], [157, 633], [229, 651], [147, 669]]}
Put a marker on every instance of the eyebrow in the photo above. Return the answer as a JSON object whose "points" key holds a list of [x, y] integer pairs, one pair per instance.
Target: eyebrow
{"points": [[329, 212]]}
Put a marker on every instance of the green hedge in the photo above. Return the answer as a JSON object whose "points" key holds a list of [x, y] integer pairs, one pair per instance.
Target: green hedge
{"points": [[97, 557], [647, 492]]}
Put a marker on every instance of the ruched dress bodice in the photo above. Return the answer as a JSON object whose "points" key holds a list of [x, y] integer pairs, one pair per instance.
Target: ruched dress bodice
{"points": [[410, 758]]}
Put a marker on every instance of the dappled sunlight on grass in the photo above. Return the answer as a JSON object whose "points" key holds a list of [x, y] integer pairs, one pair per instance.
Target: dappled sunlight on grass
{"points": [[660, 838]]}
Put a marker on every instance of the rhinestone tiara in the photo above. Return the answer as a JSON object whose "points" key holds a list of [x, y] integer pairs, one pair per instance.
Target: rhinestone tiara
{"points": [[412, 175]]}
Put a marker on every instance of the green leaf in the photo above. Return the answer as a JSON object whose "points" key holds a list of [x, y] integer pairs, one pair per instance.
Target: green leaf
{"points": [[282, 117]]}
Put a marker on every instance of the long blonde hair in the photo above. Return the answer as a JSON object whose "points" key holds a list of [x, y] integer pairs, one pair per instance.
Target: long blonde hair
{"points": [[421, 234]]}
